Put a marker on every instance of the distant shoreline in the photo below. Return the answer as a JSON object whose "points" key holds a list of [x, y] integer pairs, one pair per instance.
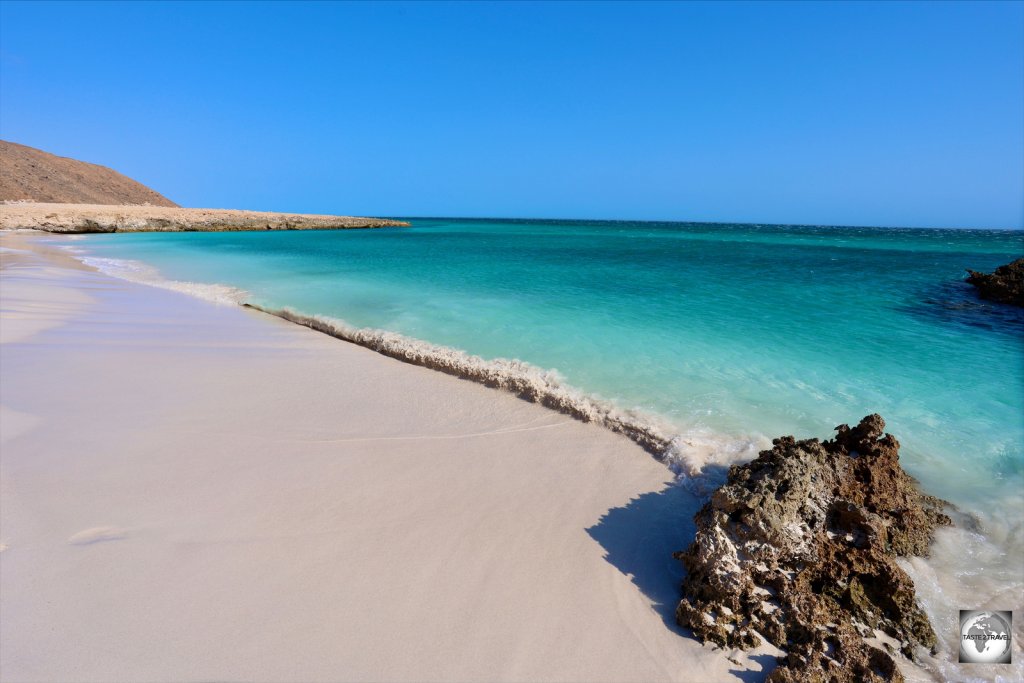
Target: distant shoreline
{"points": [[100, 218]]}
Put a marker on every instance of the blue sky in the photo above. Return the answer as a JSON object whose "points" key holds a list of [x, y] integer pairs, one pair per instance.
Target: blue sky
{"points": [[861, 113]]}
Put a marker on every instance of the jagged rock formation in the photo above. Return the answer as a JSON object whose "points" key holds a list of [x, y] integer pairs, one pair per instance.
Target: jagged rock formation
{"points": [[798, 547], [1005, 285], [30, 174]]}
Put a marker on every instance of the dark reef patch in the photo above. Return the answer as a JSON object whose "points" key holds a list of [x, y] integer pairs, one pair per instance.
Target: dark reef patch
{"points": [[956, 303]]}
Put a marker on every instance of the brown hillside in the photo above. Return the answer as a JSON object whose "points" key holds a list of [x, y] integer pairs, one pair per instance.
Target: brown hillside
{"points": [[31, 174]]}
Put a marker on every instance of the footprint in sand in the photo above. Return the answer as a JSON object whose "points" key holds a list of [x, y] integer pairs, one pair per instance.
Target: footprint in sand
{"points": [[98, 534]]}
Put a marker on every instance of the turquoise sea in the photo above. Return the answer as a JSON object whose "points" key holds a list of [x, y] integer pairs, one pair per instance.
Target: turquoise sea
{"points": [[728, 334]]}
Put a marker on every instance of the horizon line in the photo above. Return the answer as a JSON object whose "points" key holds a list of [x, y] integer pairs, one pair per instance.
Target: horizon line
{"points": [[696, 222]]}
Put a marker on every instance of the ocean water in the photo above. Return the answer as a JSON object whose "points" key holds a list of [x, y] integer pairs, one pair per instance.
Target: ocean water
{"points": [[723, 335]]}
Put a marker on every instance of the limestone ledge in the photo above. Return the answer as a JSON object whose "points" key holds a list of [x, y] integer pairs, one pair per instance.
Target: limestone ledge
{"points": [[91, 218]]}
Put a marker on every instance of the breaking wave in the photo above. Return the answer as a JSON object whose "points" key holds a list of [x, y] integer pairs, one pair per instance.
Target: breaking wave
{"points": [[136, 271]]}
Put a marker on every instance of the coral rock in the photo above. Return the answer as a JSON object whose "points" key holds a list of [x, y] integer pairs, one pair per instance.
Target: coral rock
{"points": [[798, 547]]}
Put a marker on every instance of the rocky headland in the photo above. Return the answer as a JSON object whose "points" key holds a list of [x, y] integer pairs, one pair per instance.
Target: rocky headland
{"points": [[799, 548], [43, 191], [81, 218], [1005, 285]]}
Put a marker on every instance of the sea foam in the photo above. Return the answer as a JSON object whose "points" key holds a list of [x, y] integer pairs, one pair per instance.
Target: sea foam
{"points": [[136, 271], [699, 457], [525, 380]]}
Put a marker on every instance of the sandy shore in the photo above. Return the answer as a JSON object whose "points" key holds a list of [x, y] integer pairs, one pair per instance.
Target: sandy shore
{"points": [[76, 218], [195, 492]]}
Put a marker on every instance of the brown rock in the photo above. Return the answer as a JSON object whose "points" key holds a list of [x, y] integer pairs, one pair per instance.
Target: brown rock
{"points": [[798, 547]]}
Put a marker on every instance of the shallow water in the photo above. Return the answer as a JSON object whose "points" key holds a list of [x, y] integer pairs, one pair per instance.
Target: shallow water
{"points": [[730, 334]]}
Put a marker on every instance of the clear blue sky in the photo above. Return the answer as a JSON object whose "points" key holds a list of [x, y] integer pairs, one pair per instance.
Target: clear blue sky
{"points": [[864, 114]]}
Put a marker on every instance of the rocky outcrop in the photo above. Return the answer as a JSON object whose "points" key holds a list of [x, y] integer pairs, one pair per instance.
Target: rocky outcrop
{"points": [[99, 218], [1005, 285], [798, 547]]}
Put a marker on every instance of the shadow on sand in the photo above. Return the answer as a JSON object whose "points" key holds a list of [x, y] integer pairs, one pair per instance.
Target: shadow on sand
{"points": [[639, 539]]}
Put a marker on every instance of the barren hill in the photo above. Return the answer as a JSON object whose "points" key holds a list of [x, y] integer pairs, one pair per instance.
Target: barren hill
{"points": [[41, 191], [31, 174]]}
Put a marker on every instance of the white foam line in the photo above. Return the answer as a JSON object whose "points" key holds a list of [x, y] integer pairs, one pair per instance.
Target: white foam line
{"points": [[136, 271], [685, 454], [523, 379]]}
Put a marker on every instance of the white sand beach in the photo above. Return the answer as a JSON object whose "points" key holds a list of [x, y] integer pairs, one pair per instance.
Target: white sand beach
{"points": [[198, 492]]}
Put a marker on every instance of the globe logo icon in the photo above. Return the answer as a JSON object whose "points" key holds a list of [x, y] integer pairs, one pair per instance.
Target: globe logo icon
{"points": [[985, 637]]}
